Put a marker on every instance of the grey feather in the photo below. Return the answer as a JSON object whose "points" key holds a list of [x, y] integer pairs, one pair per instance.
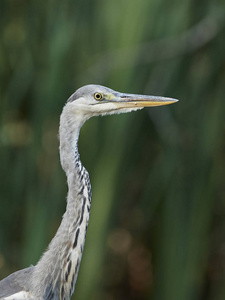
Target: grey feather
{"points": [[55, 275], [16, 282]]}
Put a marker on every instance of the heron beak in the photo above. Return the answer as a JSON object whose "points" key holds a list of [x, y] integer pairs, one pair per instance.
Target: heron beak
{"points": [[133, 100]]}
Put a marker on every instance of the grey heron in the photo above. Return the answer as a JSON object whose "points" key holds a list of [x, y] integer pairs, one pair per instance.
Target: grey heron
{"points": [[55, 274]]}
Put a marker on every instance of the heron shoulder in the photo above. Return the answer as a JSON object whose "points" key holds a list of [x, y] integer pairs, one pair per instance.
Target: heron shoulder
{"points": [[16, 285]]}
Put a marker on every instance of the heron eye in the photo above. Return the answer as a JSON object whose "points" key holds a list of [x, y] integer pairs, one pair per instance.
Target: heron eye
{"points": [[98, 96]]}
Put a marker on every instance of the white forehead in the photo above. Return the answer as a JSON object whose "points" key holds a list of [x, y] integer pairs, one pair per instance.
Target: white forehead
{"points": [[89, 90]]}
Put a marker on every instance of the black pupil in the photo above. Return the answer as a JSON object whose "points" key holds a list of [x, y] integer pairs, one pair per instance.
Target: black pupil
{"points": [[98, 96]]}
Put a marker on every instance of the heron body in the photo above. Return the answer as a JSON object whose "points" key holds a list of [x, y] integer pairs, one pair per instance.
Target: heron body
{"points": [[54, 276]]}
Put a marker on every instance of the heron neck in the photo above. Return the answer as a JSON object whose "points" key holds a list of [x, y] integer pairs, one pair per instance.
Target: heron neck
{"points": [[62, 259]]}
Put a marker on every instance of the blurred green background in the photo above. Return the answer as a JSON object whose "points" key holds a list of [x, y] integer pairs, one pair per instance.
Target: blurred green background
{"points": [[157, 226]]}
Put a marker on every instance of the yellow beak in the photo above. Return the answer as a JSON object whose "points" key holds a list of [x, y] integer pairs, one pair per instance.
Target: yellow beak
{"points": [[132, 100]]}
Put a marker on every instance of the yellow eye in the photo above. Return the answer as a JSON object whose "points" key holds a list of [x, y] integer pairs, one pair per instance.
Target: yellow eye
{"points": [[98, 96]]}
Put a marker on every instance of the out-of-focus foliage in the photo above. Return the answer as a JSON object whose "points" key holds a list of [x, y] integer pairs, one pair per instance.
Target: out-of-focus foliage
{"points": [[157, 227]]}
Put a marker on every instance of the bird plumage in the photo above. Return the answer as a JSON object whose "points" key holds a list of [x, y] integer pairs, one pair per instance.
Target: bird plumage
{"points": [[54, 276], [16, 282]]}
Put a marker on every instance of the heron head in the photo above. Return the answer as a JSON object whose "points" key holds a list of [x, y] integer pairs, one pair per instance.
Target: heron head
{"points": [[93, 100]]}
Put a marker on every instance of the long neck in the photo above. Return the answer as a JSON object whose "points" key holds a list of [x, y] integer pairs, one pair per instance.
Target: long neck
{"points": [[57, 270]]}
